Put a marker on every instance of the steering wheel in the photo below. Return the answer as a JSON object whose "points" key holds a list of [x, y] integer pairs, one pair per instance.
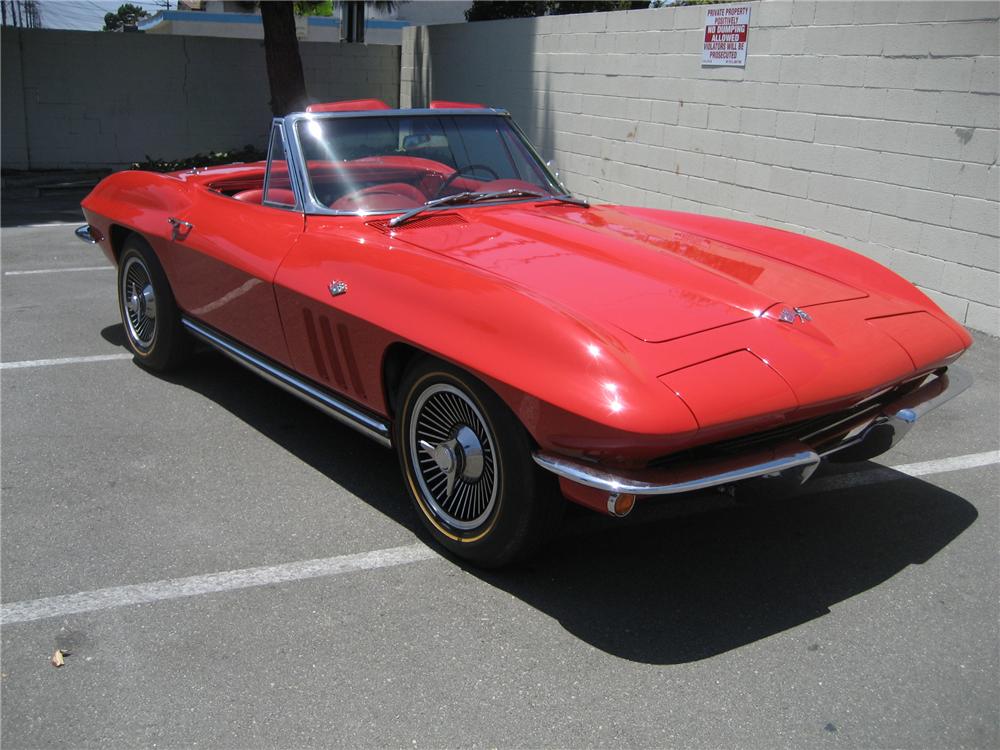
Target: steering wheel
{"points": [[466, 171]]}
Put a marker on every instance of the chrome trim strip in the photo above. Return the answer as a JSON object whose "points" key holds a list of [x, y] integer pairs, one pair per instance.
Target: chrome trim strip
{"points": [[84, 234], [373, 427], [687, 478]]}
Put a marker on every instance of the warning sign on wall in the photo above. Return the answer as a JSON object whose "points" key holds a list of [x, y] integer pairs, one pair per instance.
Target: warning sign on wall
{"points": [[726, 35]]}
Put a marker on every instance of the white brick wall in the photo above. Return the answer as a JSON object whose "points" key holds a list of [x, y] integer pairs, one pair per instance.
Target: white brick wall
{"points": [[85, 99], [874, 125]]}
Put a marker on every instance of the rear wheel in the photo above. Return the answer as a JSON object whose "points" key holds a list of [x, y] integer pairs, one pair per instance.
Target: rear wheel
{"points": [[149, 314], [468, 467]]}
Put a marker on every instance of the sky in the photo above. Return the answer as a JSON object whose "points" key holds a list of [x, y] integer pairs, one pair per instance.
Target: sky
{"points": [[86, 15]]}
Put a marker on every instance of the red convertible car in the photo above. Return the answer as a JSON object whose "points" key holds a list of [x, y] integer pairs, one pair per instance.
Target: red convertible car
{"points": [[422, 276]]}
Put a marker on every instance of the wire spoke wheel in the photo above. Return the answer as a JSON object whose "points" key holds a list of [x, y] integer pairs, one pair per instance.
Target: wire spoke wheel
{"points": [[138, 302], [149, 312], [467, 462], [454, 456]]}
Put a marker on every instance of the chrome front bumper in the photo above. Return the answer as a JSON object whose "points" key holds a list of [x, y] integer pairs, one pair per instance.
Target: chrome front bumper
{"points": [[856, 438], [84, 234]]}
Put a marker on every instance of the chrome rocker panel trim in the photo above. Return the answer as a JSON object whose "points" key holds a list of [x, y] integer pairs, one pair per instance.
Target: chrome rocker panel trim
{"points": [[368, 425], [795, 458]]}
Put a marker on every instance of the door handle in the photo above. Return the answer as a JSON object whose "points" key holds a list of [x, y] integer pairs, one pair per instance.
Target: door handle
{"points": [[181, 228]]}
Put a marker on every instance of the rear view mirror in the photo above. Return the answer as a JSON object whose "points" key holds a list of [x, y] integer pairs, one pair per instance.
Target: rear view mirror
{"points": [[416, 140]]}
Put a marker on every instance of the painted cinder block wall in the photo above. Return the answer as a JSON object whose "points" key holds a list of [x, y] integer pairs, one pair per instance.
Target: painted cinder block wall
{"points": [[873, 125], [84, 99]]}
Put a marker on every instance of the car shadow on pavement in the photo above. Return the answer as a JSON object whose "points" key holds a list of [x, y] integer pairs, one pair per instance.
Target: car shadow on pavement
{"points": [[674, 583], [686, 588], [114, 335]]}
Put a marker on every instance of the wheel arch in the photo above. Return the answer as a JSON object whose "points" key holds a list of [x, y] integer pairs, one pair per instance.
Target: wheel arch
{"points": [[397, 359], [400, 357], [118, 233]]}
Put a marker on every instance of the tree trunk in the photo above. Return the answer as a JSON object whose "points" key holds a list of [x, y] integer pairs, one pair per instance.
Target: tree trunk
{"points": [[284, 66]]}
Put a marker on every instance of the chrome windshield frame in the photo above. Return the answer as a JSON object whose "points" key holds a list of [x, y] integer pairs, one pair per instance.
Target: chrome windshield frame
{"points": [[307, 202]]}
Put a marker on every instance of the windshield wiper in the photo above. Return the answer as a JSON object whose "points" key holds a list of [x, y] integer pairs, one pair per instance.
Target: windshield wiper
{"points": [[456, 198], [520, 193], [474, 197]]}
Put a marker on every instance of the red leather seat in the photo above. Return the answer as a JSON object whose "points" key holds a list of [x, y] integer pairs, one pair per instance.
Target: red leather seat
{"points": [[278, 195]]}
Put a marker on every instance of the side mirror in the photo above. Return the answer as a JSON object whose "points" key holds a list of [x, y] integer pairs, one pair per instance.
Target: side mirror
{"points": [[554, 170]]}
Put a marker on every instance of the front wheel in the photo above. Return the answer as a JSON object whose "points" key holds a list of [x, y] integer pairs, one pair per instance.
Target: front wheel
{"points": [[468, 468], [149, 314]]}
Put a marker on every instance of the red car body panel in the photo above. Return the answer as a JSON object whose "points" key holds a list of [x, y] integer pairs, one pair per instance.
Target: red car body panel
{"points": [[613, 333]]}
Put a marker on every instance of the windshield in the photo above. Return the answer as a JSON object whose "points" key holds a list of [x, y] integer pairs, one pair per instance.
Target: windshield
{"points": [[400, 162]]}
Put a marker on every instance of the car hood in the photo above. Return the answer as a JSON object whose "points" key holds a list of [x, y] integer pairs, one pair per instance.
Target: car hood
{"points": [[649, 279]]}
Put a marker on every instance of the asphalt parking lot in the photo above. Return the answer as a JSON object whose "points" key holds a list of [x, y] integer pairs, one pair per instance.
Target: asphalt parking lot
{"points": [[155, 529]]}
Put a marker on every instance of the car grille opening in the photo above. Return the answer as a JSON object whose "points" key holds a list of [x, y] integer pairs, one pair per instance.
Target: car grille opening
{"points": [[815, 432]]}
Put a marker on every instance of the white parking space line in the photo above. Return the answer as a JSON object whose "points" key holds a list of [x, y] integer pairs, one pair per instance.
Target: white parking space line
{"points": [[956, 463], [62, 361], [177, 588], [48, 224], [888, 473], [58, 270]]}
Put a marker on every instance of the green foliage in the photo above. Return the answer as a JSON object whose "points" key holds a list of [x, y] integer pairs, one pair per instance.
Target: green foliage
{"points": [[486, 10], [246, 154], [312, 8], [126, 15]]}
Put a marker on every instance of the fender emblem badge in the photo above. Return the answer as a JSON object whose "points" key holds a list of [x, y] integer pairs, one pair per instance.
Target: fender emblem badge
{"points": [[337, 288]]}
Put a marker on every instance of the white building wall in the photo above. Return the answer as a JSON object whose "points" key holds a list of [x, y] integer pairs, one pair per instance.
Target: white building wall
{"points": [[90, 99], [429, 12], [873, 125]]}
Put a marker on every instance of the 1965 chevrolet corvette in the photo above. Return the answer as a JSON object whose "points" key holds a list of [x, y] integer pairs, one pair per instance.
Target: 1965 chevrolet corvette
{"points": [[423, 277]]}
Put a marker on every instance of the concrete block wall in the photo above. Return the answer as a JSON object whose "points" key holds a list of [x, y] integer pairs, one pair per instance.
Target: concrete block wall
{"points": [[873, 125], [85, 99]]}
